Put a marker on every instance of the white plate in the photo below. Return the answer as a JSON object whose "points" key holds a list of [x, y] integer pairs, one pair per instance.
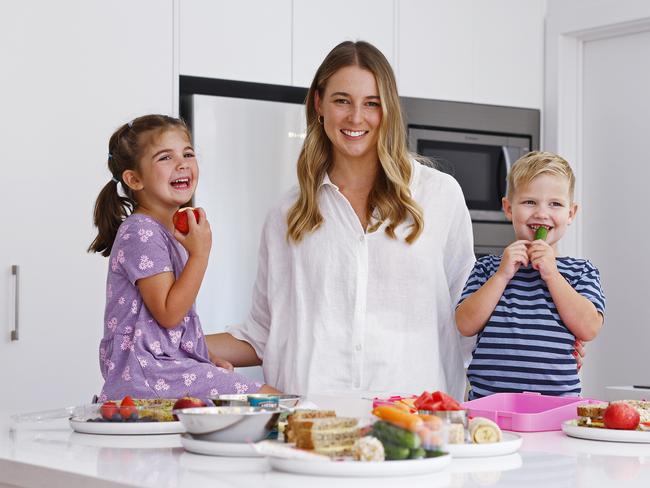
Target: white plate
{"points": [[572, 429], [210, 448], [161, 441], [360, 468], [506, 462], [126, 428], [509, 443]]}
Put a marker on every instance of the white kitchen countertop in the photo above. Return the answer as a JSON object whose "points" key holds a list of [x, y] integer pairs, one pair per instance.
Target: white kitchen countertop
{"points": [[50, 454]]}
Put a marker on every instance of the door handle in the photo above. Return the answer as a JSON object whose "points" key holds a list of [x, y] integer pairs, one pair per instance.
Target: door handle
{"points": [[16, 273], [507, 158]]}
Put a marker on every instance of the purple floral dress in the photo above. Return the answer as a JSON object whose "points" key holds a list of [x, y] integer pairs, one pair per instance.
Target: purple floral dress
{"points": [[137, 356]]}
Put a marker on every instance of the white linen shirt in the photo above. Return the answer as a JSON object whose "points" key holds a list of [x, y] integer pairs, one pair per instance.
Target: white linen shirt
{"points": [[345, 310]]}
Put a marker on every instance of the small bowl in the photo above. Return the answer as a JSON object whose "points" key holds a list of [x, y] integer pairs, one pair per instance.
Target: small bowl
{"points": [[451, 416], [229, 424], [256, 399]]}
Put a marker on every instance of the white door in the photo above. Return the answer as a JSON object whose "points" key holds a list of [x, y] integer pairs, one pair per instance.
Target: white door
{"points": [[615, 182], [71, 72], [597, 101]]}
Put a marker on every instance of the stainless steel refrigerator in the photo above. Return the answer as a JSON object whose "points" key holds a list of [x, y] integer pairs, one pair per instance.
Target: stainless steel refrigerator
{"points": [[247, 151]]}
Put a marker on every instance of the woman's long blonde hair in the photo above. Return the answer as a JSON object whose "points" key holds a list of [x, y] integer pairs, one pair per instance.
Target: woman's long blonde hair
{"points": [[390, 196]]}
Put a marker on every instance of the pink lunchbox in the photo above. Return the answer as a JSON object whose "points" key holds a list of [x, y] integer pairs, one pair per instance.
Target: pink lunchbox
{"points": [[526, 412]]}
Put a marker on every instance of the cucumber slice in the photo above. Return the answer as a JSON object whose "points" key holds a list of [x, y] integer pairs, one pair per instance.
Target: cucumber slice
{"points": [[395, 435], [395, 453]]}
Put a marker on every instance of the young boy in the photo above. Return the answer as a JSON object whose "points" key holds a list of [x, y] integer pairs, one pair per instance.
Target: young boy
{"points": [[529, 306]]}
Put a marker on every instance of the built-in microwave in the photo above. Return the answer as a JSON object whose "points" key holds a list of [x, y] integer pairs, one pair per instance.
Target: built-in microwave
{"points": [[479, 161]]}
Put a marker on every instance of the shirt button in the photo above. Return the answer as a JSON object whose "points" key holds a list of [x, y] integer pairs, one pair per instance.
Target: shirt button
{"points": [[362, 238], [357, 347]]}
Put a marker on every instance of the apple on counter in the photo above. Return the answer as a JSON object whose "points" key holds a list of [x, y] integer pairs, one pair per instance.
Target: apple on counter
{"points": [[187, 402], [621, 416]]}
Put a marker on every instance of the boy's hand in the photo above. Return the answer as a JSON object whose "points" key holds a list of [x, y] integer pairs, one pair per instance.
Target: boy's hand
{"points": [[542, 257], [514, 257], [198, 240]]}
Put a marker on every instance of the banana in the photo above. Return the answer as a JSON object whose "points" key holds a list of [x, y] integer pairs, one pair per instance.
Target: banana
{"points": [[484, 431]]}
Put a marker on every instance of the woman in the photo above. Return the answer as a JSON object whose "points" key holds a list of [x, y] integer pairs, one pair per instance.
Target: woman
{"points": [[360, 268]]}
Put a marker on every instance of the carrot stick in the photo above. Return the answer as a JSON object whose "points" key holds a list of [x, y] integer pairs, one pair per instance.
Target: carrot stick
{"points": [[399, 418]]}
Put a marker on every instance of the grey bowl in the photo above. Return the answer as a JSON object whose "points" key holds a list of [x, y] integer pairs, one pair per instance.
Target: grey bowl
{"points": [[243, 400], [229, 424]]}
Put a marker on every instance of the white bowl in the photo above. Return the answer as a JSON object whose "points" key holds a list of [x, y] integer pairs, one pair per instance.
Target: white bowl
{"points": [[229, 424], [247, 399]]}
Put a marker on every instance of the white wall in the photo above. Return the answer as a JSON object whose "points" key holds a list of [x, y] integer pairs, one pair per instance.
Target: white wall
{"points": [[597, 101]]}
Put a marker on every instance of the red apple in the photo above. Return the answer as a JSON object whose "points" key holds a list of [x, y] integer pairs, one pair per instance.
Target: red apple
{"points": [[187, 402], [180, 219], [621, 416]]}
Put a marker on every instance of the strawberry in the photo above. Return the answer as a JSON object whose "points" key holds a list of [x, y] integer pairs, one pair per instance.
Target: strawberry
{"points": [[621, 416], [128, 409], [109, 410], [180, 219]]}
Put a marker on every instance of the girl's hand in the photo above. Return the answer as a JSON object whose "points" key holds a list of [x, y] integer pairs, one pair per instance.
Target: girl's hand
{"points": [[198, 240], [514, 257], [542, 257]]}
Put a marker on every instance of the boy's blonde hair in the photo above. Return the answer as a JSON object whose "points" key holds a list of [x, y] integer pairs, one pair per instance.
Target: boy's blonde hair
{"points": [[536, 163]]}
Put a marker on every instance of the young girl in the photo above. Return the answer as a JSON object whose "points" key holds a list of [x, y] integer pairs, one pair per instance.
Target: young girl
{"points": [[153, 344]]}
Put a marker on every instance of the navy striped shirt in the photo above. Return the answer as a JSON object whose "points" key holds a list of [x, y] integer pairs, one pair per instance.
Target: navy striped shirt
{"points": [[525, 346]]}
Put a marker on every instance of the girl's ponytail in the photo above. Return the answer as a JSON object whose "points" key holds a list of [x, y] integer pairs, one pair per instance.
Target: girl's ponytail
{"points": [[110, 210]]}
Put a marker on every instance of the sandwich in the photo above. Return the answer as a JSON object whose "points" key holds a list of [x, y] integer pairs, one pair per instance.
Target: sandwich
{"points": [[330, 436], [592, 414], [299, 415]]}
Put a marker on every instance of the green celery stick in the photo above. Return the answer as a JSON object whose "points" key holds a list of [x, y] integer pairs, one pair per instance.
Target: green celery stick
{"points": [[541, 233]]}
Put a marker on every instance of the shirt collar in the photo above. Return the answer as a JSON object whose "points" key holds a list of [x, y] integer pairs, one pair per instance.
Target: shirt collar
{"points": [[327, 181], [415, 174]]}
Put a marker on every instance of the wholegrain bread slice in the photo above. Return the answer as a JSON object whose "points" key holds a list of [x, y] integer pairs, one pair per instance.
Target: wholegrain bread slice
{"points": [[332, 436], [301, 415], [592, 410]]}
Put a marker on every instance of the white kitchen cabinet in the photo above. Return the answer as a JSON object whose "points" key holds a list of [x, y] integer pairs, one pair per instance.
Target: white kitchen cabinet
{"points": [[71, 72], [435, 49], [318, 27], [508, 52], [246, 41], [480, 51]]}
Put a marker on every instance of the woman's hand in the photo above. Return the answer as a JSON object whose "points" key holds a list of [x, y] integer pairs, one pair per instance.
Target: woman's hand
{"points": [[579, 352], [222, 363]]}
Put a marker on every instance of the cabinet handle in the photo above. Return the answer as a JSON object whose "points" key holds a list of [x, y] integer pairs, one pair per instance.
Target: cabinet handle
{"points": [[16, 273]]}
